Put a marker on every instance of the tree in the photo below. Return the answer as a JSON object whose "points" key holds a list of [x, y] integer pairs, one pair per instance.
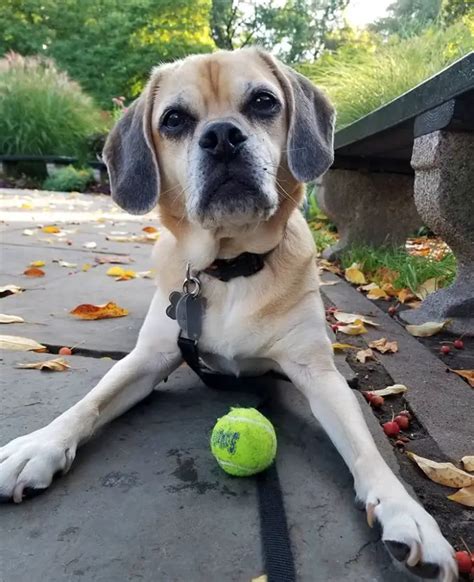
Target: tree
{"points": [[453, 10], [407, 18]]}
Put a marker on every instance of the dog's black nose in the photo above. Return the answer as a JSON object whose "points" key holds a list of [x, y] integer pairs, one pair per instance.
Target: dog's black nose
{"points": [[223, 140]]}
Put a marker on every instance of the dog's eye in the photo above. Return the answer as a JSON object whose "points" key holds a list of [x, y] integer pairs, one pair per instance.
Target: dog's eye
{"points": [[175, 119], [263, 103]]}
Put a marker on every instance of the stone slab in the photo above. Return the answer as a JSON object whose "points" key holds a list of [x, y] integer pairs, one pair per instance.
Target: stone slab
{"points": [[438, 399]]}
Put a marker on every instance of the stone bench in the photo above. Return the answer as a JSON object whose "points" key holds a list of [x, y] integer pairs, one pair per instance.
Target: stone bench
{"points": [[407, 163]]}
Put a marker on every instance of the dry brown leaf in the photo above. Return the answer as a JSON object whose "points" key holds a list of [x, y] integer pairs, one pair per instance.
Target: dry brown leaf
{"points": [[405, 295], [55, 365], [391, 390], [443, 473], [353, 274], [386, 275], [11, 318], [355, 328], [6, 290], [466, 374], [328, 266], [352, 317], [390, 289], [21, 344], [37, 264], [428, 287], [137, 238], [364, 355], [114, 260], [426, 329], [377, 293], [34, 272], [464, 496], [50, 229], [149, 229], [106, 311], [383, 345], [339, 346], [468, 462]]}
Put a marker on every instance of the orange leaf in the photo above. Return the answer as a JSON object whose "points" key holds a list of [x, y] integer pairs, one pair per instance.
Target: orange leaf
{"points": [[466, 374], [149, 229], [405, 295], [106, 311], [34, 272], [51, 229]]}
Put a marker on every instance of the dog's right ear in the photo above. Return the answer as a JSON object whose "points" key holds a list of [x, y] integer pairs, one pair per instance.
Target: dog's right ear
{"points": [[131, 159]]}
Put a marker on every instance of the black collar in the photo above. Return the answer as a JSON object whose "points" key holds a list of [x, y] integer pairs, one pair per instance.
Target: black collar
{"points": [[243, 265]]}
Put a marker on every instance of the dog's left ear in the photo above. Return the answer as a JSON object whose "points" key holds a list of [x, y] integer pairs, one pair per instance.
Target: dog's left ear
{"points": [[131, 159], [310, 144]]}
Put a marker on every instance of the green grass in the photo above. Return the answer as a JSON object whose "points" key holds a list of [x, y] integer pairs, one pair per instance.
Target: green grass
{"points": [[361, 78], [413, 270], [43, 112], [69, 179]]}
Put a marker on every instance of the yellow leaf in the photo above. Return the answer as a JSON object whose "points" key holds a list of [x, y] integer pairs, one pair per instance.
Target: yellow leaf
{"points": [[50, 229], [86, 267], [106, 311], [11, 319], [6, 290], [355, 328], [443, 473], [339, 346], [26, 206], [426, 329], [468, 462], [115, 271], [55, 365], [405, 295], [377, 293], [364, 355], [391, 390], [466, 374], [353, 274], [21, 344], [37, 264], [428, 287], [262, 578], [34, 272], [352, 317], [382, 345], [464, 496]]}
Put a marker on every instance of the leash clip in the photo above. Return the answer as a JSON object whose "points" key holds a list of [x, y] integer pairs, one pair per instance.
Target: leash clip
{"points": [[192, 284]]}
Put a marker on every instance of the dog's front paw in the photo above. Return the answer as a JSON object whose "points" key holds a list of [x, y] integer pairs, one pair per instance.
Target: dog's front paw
{"points": [[412, 536], [29, 463]]}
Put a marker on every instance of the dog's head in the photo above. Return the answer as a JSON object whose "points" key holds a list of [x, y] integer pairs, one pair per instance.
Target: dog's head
{"points": [[222, 138]]}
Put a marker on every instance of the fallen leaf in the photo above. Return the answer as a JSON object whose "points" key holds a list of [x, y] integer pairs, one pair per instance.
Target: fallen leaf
{"points": [[464, 496], [262, 578], [106, 311], [28, 232], [369, 286], [136, 238], [391, 390], [146, 274], [428, 287], [149, 229], [6, 290], [11, 318], [390, 289], [386, 275], [37, 264], [383, 346], [426, 329], [86, 267], [328, 266], [26, 206], [364, 355], [114, 260], [21, 344], [339, 346], [468, 462], [51, 229], [466, 374], [443, 473], [352, 317], [353, 274], [327, 283], [405, 295], [115, 271], [55, 365], [377, 293], [90, 245], [66, 264], [34, 272], [355, 328]]}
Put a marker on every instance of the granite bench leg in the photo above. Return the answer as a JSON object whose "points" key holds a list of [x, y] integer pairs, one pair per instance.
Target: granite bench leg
{"points": [[444, 195], [368, 208]]}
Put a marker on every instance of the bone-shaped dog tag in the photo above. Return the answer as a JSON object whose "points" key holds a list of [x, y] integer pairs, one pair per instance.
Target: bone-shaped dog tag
{"points": [[189, 315]]}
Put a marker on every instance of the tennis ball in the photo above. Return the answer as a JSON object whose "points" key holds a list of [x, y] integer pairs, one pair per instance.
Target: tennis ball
{"points": [[243, 442]]}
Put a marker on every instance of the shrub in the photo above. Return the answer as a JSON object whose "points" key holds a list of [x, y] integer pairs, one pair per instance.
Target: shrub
{"points": [[69, 179], [43, 112], [359, 81]]}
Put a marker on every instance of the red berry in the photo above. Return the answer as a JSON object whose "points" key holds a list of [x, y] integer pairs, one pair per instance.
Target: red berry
{"points": [[402, 421], [65, 351], [391, 428], [458, 344], [392, 310], [376, 401], [445, 349], [464, 561], [368, 395]]}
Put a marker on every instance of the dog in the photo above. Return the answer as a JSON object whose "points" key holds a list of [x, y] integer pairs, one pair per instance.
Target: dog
{"points": [[223, 144]]}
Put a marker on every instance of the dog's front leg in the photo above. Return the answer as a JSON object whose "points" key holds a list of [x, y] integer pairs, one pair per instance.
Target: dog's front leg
{"points": [[409, 532], [31, 461]]}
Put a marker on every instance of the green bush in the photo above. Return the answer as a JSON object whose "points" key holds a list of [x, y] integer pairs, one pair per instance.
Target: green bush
{"points": [[69, 179], [361, 77], [43, 112]]}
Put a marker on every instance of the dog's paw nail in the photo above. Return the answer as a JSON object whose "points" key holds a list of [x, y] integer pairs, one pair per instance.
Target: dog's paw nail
{"points": [[371, 513], [425, 570], [415, 555], [18, 492], [399, 550]]}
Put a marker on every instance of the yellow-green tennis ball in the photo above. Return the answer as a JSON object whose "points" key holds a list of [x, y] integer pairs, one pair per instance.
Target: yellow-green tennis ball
{"points": [[244, 442]]}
